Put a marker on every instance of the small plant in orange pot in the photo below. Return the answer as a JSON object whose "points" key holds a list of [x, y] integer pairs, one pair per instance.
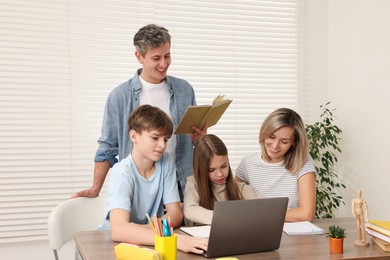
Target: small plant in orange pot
{"points": [[336, 235]]}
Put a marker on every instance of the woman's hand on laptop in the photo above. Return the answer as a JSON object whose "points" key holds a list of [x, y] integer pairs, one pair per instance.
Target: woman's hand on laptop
{"points": [[188, 244]]}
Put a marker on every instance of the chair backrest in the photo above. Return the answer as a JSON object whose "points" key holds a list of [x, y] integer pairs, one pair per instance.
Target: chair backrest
{"points": [[70, 216]]}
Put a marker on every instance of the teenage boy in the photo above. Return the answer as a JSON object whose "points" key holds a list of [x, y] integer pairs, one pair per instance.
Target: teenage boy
{"points": [[150, 85], [144, 182]]}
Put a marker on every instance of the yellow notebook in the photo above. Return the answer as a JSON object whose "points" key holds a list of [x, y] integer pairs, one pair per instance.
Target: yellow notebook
{"points": [[380, 226], [199, 115]]}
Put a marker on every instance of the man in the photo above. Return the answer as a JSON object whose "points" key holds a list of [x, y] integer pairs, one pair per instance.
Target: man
{"points": [[150, 85]]}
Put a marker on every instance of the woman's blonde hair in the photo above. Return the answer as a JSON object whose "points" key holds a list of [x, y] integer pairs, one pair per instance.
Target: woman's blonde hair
{"points": [[295, 157]]}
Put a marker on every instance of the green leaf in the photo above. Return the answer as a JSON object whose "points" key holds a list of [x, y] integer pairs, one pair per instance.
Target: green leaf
{"points": [[324, 137]]}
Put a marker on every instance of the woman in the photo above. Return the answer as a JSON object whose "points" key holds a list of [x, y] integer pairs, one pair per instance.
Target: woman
{"points": [[212, 181], [284, 167]]}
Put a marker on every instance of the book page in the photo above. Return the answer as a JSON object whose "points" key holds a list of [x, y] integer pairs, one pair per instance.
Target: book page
{"points": [[219, 100]]}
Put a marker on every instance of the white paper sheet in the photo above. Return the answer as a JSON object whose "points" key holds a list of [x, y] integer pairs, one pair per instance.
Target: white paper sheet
{"points": [[197, 231], [302, 228]]}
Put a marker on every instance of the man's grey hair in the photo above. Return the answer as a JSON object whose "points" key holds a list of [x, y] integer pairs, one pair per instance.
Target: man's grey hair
{"points": [[150, 36]]}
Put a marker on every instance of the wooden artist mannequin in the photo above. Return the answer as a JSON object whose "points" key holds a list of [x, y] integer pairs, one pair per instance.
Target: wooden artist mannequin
{"points": [[360, 212]]}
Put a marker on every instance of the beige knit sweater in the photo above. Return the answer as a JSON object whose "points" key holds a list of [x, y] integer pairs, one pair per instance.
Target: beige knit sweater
{"points": [[194, 214]]}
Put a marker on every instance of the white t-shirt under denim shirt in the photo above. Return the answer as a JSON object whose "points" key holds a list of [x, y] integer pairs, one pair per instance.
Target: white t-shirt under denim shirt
{"points": [[158, 95]]}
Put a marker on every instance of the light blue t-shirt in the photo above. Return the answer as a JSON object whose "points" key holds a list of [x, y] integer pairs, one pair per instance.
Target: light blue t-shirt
{"points": [[130, 191]]}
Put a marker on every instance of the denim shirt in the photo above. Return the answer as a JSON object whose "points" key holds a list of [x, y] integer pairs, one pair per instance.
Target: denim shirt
{"points": [[122, 100]]}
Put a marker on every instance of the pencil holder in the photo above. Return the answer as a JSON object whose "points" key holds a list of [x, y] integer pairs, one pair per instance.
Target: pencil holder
{"points": [[166, 247]]}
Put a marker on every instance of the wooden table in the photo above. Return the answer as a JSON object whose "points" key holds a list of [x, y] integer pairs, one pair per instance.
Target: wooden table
{"points": [[96, 245]]}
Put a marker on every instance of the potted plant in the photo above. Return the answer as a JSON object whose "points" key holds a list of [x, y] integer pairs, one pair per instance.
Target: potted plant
{"points": [[336, 235], [324, 137]]}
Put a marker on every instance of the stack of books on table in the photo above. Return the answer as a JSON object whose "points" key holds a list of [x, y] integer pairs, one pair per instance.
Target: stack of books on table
{"points": [[380, 232]]}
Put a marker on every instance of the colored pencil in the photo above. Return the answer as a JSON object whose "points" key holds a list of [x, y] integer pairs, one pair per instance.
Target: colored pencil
{"points": [[157, 225], [151, 223], [170, 225]]}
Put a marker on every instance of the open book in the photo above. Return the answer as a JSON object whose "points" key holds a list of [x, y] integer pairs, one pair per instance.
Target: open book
{"points": [[199, 115]]}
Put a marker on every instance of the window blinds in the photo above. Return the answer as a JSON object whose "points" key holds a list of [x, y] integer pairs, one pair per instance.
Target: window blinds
{"points": [[61, 58]]}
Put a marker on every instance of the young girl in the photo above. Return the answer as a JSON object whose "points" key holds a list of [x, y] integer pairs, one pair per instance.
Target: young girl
{"points": [[212, 181], [284, 167]]}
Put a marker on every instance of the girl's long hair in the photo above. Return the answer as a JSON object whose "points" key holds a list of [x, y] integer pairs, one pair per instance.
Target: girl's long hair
{"points": [[206, 147]]}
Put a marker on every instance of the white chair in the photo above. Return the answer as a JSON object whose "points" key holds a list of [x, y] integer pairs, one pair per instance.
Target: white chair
{"points": [[70, 216]]}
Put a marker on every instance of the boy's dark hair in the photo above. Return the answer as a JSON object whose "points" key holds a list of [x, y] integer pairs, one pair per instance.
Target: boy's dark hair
{"points": [[148, 118], [150, 36]]}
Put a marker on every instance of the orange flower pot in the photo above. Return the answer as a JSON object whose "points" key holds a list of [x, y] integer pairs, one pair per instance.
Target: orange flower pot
{"points": [[336, 245]]}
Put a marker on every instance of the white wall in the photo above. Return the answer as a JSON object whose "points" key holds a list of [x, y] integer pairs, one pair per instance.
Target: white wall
{"points": [[348, 63], [354, 58]]}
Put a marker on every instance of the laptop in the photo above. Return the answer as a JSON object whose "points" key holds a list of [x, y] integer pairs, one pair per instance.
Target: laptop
{"points": [[245, 226]]}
